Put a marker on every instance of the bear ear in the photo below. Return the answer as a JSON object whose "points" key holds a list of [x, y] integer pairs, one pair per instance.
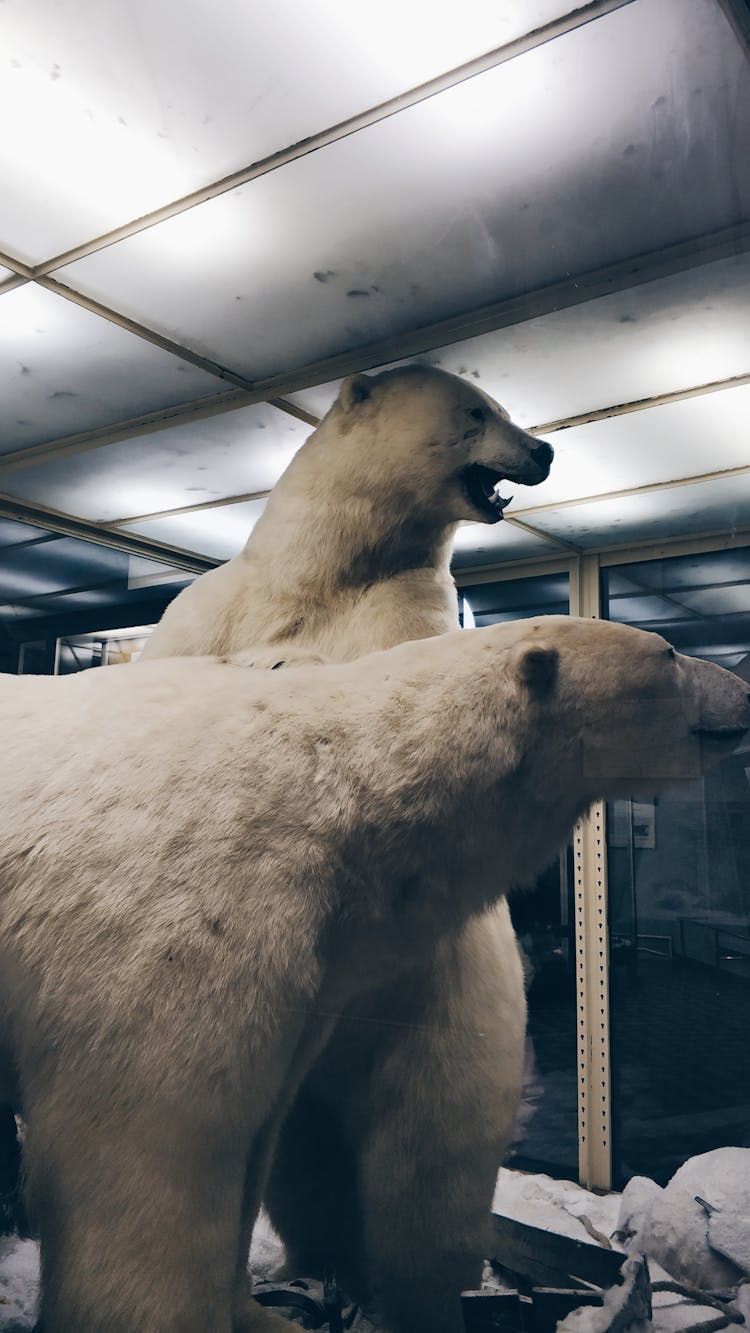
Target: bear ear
{"points": [[537, 668], [356, 389]]}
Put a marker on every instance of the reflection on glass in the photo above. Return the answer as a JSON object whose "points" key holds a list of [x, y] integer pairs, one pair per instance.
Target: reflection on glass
{"points": [[546, 1136], [80, 652], [679, 887]]}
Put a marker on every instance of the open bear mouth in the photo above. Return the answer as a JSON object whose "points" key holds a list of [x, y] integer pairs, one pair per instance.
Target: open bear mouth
{"points": [[480, 482]]}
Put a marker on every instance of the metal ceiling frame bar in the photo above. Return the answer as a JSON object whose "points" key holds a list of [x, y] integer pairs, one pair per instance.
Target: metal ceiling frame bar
{"points": [[10, 284], [67, 525], [640, 404], [168, 345], [163, 418], [17, 266], [560, 27]]}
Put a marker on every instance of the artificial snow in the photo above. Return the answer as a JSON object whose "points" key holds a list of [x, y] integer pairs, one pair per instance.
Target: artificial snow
{"points": [[707, 1249], [19, 1284]]}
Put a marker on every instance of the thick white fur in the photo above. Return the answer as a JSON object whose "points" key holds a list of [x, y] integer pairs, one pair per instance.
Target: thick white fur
{"points": [[387, 1160], [202, 864]]}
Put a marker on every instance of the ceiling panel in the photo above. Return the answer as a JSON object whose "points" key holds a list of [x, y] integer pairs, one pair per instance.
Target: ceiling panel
{"points": [[636, 121], [691, 328], [233, 454], [119, 106], [711, 506], [219, 533], [64, 370]]}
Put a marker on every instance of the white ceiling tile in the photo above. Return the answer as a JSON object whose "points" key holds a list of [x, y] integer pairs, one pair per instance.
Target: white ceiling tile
{"points": [[219, 533], [711, 506], [64, 370], [691, 437], [616, 139], [236, 453], [119, 106]]}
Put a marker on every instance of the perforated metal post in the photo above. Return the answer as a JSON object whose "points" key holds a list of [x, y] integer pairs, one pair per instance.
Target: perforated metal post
{"points": [[592, 950]]}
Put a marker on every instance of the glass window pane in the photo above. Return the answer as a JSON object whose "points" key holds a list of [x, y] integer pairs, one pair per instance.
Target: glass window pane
{"points": [[546, 1136], [679, 895]]}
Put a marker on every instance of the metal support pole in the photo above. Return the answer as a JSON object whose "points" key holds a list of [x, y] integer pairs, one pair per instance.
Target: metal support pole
{"points": [[592, 949]]}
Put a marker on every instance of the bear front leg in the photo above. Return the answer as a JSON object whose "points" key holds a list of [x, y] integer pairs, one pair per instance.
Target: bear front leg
{"points": [[445, 1095], [411, 1107], [138, 1214]]}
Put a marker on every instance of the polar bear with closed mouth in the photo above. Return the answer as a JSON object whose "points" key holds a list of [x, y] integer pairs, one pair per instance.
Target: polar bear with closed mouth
{"points": [[202, 864], [387, 1160]]}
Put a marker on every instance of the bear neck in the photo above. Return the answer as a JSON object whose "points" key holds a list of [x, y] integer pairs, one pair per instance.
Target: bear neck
{"points": [[373, 534]]}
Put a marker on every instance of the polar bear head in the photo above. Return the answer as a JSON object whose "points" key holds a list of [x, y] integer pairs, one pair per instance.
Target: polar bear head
{"points": [[640, 711], [421, 438]]}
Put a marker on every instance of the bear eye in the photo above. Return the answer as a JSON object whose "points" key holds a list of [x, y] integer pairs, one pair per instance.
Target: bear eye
{"points": [[476, 413], [670, 652]]}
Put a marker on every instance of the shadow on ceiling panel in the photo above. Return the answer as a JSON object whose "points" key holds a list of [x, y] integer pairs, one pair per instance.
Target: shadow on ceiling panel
{"points": [[235, 453], [619, 138], [661, 337], [64, 370], [678, 511], [118, 109]]}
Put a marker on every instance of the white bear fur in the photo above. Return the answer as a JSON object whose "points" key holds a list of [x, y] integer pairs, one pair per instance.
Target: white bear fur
{"points": [[203, 864], [404, 1119]]}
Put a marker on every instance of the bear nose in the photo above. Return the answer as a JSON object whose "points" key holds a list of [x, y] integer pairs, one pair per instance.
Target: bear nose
{"points": [[543, 454]]}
